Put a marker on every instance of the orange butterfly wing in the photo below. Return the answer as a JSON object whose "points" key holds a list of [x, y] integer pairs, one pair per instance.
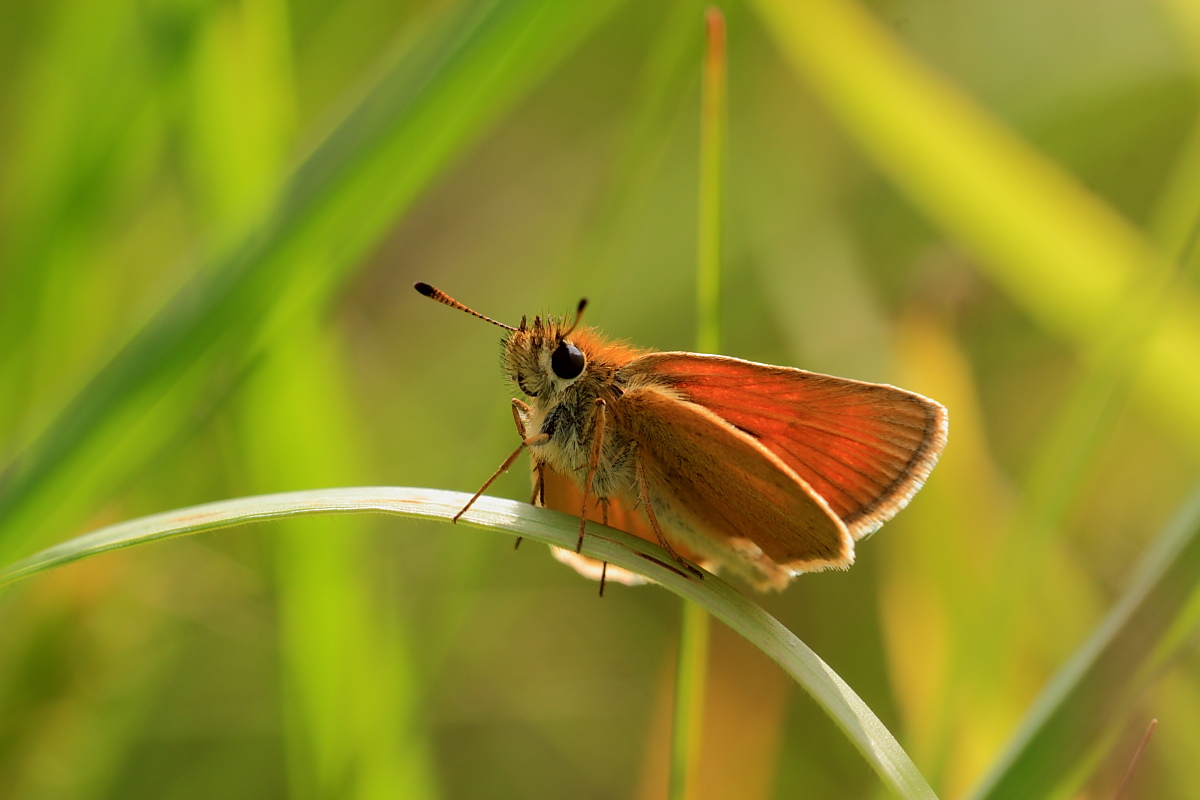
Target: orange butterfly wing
{"points": [[865, 448]]}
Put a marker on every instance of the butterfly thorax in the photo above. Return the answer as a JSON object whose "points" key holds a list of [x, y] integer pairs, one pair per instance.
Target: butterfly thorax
{"points": [[563, 373]]}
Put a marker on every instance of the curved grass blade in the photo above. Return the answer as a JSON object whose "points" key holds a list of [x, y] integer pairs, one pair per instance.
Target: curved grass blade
{"points": [[716, 596], [1070, 724]]}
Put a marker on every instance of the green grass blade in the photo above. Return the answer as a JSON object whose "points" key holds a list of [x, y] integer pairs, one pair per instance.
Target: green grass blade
{"points": [[423, 112], [714, 595], [1069, 725]]}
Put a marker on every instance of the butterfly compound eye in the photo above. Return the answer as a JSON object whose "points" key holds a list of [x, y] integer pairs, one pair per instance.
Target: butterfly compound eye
{"points": [[567, 361]]}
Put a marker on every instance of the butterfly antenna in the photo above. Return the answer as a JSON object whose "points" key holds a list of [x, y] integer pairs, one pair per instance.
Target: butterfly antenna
{"points": [[578, 315], [442, 297]]}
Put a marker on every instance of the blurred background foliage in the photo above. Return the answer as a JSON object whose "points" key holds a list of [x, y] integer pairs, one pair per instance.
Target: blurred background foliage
{"points": [[211, 212]]}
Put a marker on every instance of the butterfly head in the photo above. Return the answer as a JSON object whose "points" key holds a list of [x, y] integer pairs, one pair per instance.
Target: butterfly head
{"points": [[545, 357]]}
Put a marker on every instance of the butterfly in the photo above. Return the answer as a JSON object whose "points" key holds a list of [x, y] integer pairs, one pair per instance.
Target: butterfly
{"points": [[765, 471]]}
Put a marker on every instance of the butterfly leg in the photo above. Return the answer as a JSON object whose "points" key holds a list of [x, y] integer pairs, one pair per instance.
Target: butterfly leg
{"points": [[539, 492], [520, 414], [531, 441], [644, 495], [593, 463], [539, 486], [603, 521]]}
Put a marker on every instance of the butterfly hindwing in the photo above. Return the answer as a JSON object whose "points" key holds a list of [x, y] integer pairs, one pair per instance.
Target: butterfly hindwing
{"points": [[562, 494]]}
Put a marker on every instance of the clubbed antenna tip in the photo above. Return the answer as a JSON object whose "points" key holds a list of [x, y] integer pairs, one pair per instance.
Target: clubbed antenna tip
{"points": [[442, 297], [578, 316]]}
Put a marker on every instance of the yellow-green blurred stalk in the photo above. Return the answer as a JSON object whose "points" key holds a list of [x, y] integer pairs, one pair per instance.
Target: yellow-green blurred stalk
{"points": [[692, 667]]}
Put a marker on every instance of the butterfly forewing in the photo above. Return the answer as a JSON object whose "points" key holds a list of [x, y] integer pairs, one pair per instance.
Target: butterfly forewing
{"points": [[864, 448]]}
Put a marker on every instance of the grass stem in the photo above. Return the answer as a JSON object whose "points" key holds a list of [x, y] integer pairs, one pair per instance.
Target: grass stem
{"points": [[692, 664]]}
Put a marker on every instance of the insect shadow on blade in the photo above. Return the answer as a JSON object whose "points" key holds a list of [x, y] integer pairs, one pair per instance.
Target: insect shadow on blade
{"points": [[765, 471]]}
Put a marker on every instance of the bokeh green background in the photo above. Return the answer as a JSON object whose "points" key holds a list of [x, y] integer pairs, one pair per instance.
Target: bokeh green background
{"points": [[211, 215]]}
